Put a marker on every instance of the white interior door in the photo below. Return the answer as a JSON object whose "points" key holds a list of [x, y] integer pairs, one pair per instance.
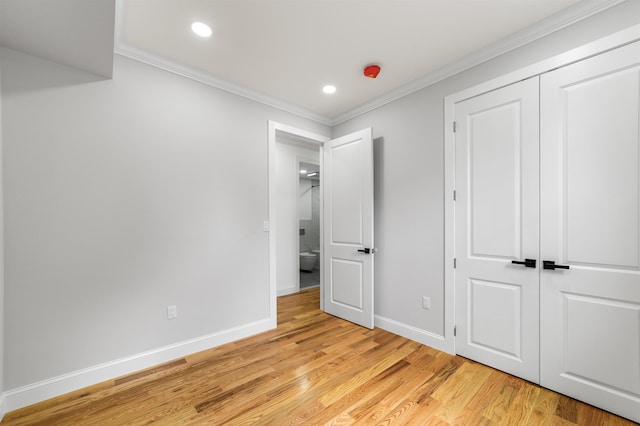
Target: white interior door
{"points": [[496, 224], [348, 227], [590, 186]]}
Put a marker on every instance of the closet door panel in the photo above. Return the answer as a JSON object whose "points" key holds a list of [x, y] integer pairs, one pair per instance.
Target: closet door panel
{"points": [[496, 224], [590, 214], [601, 177]]}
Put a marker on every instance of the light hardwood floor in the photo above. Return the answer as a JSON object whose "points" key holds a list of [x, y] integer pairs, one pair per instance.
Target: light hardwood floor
{"points": [[315, 369]]}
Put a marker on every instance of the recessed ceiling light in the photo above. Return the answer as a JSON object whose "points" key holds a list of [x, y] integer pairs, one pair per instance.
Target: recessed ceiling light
{"points": [[303, 172], [329, 89], [203, 30]]}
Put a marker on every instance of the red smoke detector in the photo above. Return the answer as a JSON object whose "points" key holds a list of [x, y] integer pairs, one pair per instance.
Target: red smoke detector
{"points": [[372, 71]]}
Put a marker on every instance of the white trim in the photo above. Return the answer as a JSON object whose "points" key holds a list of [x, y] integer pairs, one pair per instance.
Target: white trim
{"points": [[433, 340], [279, 131], [3, 406], [273, 212], [123, 49], [46, 389], [322, 219], [588, 50], [201, 77], [569, 16], [449, 227]]}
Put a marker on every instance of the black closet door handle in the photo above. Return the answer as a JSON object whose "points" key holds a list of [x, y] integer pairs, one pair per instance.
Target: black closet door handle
{"points": [[550, 264], [367, 250], [528, 263]]}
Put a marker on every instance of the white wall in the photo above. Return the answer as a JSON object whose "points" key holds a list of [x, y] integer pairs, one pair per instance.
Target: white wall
{"points": [[77, 33], [122, 197], [409, 179], [304, 199], [288, 155], [1, 264]]}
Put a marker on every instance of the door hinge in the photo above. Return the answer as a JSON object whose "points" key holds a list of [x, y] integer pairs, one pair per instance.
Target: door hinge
{"points": [[454, 195], [454, 331], [454, 127], [454, 263]]}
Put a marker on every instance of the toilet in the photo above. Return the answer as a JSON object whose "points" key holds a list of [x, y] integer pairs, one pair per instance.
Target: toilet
{"points": [[317, 265], [307, 261]]}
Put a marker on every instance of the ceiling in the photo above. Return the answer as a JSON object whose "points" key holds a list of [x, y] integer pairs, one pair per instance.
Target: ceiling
{"points": [[309, 171], [282, 52]]}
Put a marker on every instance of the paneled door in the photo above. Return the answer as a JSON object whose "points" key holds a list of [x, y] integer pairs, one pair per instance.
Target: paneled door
{"points": [[496, 229], [348, 227], [590, 187]]}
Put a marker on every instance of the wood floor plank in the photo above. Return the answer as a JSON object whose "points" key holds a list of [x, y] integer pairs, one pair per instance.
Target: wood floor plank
{"points": [[523, 405], [497, 407], [544, 410], [368, 394], [387, 360], [460, 389], [315, 369], [419, 390]]}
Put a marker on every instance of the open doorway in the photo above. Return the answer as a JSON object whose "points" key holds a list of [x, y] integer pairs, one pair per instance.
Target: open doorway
{"points": [[347, 240], [309, 247], [288, 148]]}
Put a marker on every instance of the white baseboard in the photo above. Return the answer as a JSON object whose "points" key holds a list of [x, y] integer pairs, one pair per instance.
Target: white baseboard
{"points": [[3, 406], [46, 389], [410, 332]]}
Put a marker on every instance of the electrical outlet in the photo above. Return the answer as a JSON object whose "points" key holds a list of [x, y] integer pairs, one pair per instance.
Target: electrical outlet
{"points": [[172, 312], [426, 302]]}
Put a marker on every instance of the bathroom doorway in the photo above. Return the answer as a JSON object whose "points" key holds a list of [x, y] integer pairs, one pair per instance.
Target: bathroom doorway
{"points": [[309, 224], [286, 150], [288, 147]]}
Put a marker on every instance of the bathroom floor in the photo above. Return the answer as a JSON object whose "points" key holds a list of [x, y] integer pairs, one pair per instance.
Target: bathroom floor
{"points": [[309, 279]]}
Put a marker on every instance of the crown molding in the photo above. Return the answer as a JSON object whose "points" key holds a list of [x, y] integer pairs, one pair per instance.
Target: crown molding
{"points": [[156, 61], [578, 12], [123, 49]]}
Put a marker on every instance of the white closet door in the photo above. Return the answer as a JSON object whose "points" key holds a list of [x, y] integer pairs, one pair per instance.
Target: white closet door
{"points": [[496, 221], [590, 187]]}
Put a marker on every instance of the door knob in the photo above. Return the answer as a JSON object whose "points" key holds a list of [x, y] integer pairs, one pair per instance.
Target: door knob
{"points": [[367, 250], [550, 264], [528, 263]]}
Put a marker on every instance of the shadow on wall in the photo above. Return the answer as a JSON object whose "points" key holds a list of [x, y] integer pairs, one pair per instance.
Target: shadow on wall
{"points": [[378, 171]]}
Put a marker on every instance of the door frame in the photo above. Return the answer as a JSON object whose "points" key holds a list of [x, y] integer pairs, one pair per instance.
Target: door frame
{"points": [[276, 132], [612, 41]]}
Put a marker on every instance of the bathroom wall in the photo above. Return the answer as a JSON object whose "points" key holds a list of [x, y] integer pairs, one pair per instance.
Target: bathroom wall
{"points": [[310, 193]]}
